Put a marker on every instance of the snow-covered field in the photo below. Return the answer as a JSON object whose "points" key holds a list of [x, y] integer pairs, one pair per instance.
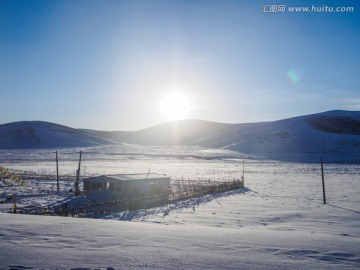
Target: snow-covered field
{"points": [[277, 222]]}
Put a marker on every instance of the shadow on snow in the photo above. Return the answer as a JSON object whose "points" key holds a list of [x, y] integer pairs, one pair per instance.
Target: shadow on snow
{"points": [[166, 210]]}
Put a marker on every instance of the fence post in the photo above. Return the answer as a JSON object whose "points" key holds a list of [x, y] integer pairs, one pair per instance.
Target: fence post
{"points": [[77, 190], [243, 174], [57, 173], [323, 181]]}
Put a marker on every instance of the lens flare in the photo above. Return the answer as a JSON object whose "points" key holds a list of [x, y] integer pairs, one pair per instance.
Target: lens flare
{"points": [[294, 75]]}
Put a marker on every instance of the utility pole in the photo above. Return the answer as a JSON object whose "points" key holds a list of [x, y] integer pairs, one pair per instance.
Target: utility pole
{"points": [[243, 174], [57, 173], [323, 181], [77, 190], [14, 204]]}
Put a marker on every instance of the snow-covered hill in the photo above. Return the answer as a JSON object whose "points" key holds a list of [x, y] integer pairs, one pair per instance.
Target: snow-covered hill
{"points": [[38, 134], [182, 132], [333, 134]]}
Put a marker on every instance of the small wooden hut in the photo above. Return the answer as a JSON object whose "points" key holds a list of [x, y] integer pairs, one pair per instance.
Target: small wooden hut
{"points": [[126, 185]]}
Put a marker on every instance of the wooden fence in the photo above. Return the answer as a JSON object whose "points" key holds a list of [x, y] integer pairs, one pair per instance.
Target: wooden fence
{"points": [[180, 190], [184, 189]]}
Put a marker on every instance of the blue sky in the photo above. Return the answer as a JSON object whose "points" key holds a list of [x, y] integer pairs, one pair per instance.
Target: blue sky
{"points": [[108, 64]]}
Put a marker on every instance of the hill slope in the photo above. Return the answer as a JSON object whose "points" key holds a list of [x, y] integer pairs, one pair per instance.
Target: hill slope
{"points": [[38, 134], [183, 132], [334, 134]]}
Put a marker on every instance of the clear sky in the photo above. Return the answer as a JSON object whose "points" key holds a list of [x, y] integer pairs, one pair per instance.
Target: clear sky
{"points": [[110, 65]]}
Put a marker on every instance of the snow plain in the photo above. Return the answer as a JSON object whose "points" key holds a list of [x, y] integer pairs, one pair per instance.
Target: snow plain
{"points": [[277, 222]]}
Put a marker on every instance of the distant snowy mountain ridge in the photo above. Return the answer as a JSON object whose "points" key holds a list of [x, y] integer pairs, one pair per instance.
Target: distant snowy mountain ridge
{"points": [[334, 134], [39, 134]]}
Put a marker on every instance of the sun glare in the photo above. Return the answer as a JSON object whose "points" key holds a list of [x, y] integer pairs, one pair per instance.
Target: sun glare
{"points": [[175, 106]]}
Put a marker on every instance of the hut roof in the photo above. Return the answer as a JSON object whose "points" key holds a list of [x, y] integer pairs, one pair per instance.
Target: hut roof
{"points": [[132, 177]]}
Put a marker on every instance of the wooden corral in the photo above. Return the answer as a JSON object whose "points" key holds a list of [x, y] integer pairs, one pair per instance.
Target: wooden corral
{"points": [[180, 190], [114, 193]]}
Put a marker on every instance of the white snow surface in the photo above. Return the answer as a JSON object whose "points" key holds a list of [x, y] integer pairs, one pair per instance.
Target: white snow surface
{"points": [[277, 222]]}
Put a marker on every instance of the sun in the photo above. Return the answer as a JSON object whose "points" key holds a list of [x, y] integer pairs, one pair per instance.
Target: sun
{"points": [[175, 106]]}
